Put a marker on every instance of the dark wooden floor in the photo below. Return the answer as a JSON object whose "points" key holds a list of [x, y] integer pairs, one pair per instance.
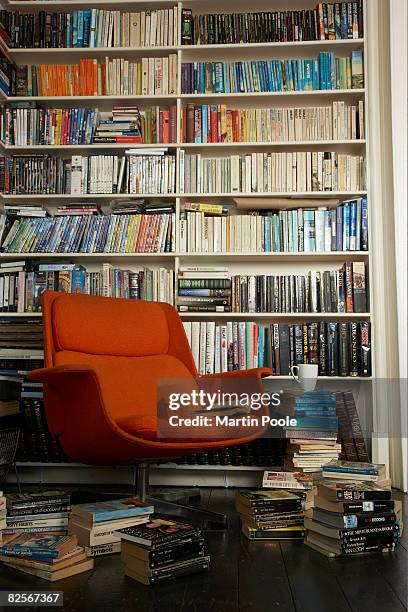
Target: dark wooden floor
{"points": [[244, 576]]}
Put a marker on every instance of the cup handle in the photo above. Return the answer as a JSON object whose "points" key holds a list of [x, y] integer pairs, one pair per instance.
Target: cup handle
{"points": [[294, 372]]}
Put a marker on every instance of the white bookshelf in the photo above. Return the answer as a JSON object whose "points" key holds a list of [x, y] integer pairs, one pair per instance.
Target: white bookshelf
{"points": [[249, 262]]}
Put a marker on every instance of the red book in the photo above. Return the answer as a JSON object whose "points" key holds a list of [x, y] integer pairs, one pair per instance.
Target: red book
{"points": [[214, 124], [166, 128], [124, 139]]}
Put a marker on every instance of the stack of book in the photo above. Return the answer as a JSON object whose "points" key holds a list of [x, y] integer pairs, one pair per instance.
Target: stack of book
{"points": [[162, 549], [51, 557], [270, 515], [20, 339], [40, 513], [204, 289], [353, 511], [302, 483], [10, 393], [313, 441], [121, 125], [95, 524], [129, 124]]}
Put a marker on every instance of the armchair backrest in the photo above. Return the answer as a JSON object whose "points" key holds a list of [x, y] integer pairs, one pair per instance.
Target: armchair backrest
{"points": [[112, 327]]}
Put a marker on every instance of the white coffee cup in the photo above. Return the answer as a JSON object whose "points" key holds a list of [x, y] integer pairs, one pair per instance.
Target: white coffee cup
{"points": [[306, 375]]}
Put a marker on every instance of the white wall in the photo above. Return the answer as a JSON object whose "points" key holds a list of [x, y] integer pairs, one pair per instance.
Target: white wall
{"points": [[399, 68]]}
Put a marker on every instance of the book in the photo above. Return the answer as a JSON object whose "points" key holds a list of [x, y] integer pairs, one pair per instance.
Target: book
{"points": [[71, 570], [75, 556], [158, 532], [355, 507], [110, 510], [268, 499], [352, 521], [169, 573], [348, 469], [287, 480], [45, 547], [334, 491], [287, 533]]}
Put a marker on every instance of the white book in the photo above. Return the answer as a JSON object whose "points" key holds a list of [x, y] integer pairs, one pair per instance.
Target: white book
{"points": [[203, 344], [195, 342], [210, 348]]}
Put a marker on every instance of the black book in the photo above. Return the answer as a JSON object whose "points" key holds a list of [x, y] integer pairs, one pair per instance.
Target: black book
{"points": [[322, 349], [354, 349], [284, 351], [344, 350], [159, 532], [353, 521], [365, 348], [332, 349], [23, 501], [268, 500]]}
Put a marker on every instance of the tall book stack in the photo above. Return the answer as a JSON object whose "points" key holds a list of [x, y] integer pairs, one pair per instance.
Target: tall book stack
{"points": [[161, 550], [204, 289], [354, 511], [46, 556], [41, 513], [95, 524], [313, 441]]}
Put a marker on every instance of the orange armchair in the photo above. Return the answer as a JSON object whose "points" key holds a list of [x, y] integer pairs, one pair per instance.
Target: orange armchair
{"points": [[103, 357]]}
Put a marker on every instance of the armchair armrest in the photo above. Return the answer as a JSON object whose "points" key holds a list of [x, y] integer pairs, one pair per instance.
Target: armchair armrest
{"points": [[59, 373], [254, 373]]}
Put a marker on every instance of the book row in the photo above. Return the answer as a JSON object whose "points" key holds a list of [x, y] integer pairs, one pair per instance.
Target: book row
{"points": [[21, 286], [328, 21], [92, 234], [90, 77], [325, 73], [202, 123], [343, 290], [339, 349], [272, 172], [343, 228], [94, 28], [44, 174], [22, 126]]}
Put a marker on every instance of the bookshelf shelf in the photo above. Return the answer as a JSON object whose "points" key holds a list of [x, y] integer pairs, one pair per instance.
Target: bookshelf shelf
{"points": [[78, 99], [101, 257], [324, 93], [277, 316], [320, 45], [187, 145], [279, 257], [76, 4], [169, 196]]}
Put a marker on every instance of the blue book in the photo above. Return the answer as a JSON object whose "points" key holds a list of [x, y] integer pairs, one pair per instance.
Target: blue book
{"points": [[80, 35], [309, 230], [308, 70], [353, 225], [332, 63], [343, 21], [299, 412], [261, 347], [323, 422], [346, 227], [364, 224], [368, 471], [111, 510], [74, 28], [339, 228]]}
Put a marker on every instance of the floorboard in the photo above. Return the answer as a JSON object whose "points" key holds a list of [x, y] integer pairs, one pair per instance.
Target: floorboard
{"points": [[314, 586], [244, 577]]}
